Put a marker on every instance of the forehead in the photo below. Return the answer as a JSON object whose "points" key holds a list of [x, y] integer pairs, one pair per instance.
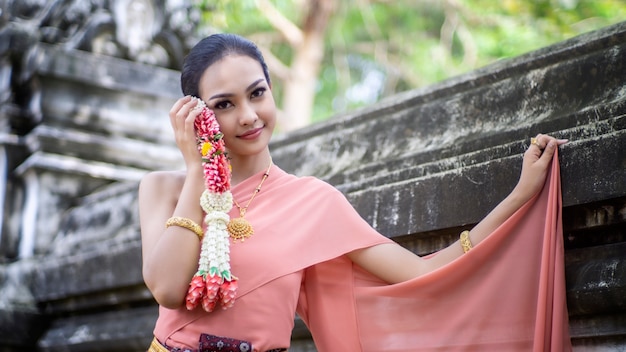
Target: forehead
{"points": [[231, 74]]}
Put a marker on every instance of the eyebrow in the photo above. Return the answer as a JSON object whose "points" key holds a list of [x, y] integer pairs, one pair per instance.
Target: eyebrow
{"points": [[249, 88]]}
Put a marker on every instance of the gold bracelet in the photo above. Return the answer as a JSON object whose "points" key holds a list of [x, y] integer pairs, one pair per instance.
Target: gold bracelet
{"points": [[465, 241], [185, 223]]}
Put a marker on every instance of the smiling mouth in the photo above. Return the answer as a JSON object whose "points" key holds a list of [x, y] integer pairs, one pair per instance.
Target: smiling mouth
{"points": [[251, 133]]}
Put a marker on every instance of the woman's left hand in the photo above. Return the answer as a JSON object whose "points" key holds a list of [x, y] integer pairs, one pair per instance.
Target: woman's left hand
{"points": [[535, 165]]}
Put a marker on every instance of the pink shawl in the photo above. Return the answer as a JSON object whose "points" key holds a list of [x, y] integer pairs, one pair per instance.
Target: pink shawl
{"points": [[506, 294]]}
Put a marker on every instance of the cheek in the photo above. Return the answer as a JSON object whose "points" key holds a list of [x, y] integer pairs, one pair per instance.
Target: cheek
{"points": [[226, 126], [228, 141], [269, 113], [224, 118]]}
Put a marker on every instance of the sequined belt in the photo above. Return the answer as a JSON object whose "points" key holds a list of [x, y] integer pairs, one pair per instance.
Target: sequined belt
{"points": [[210, 343]]}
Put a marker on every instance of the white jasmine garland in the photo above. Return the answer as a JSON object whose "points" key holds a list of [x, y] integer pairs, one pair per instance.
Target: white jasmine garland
{"points": [[215, 253]]}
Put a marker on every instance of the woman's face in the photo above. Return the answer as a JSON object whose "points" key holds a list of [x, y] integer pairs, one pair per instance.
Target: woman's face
{"points": [[235, 89]]}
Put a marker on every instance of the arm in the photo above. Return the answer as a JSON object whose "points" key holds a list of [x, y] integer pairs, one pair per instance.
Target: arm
{"points": [[393, 263], [170, 255]]}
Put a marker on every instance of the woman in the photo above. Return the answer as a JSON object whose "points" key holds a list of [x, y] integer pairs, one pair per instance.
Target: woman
{"points": [[304, 230]]}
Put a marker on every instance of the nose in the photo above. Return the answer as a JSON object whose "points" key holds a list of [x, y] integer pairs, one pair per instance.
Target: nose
{"points": [[248, 115]]}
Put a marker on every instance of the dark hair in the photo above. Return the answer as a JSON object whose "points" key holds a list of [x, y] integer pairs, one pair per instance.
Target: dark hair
{"points": [[212, 49]]}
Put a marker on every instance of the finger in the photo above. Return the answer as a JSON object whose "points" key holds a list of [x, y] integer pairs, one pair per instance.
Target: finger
{"points": [[542, 140], [546, 139], [199, 104], [179, 104], [182, 113], [194, 108], [533, 152], [548, 152], [536, 142], [176, 110]]}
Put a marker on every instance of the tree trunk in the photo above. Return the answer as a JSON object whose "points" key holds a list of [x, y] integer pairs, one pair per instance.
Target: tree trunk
{"points": [[299, 88]]}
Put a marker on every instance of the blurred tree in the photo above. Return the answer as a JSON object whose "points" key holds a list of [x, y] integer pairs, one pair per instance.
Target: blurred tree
{"points": [[307, 43], [376, 48]]}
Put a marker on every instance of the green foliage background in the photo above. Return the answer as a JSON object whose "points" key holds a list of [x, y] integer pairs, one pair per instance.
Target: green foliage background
{"points": [[384, 47]]}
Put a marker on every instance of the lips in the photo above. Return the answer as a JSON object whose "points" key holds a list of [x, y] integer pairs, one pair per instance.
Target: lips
{"points": [[251, 134]]}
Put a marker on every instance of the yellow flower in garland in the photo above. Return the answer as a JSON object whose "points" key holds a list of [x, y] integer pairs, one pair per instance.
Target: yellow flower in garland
{"points": [[206, 148]]}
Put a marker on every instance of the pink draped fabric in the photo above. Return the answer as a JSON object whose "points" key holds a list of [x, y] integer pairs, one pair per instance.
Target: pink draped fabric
{"points": [[506, 294]]}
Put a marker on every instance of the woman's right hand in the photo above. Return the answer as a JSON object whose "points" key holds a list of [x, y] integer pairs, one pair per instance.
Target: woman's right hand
{"points": [[182, 116]]}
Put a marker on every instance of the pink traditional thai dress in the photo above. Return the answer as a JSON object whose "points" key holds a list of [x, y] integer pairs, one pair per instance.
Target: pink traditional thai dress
{"points": [[506, 294]]}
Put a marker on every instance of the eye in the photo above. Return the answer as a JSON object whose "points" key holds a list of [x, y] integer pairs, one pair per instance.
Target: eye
{"points": [[224, 104], [258, 92]]}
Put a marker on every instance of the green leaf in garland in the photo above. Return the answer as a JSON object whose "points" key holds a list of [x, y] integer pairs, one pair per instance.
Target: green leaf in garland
{"points": [[213, 271]]}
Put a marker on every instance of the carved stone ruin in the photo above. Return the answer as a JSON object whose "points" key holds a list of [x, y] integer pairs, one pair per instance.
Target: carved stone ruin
{"points": [[83, 115]]}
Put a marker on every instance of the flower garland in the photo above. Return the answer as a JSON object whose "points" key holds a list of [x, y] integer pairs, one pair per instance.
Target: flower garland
{"points": [[213, 283]]}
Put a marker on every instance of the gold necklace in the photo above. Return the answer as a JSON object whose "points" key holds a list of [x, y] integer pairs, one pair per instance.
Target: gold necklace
{"points": [[239, 228]]}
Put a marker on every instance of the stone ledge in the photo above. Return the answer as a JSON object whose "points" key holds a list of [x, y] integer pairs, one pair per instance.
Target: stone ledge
{"points": [[117, 151], [122, 330], [70, 105], [596, 279], [473, 152], [433, 202], [107, 71], [598, 326], [79, 167], [116, 267]]}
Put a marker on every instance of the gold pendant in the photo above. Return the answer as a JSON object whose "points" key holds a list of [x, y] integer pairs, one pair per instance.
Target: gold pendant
{"points": [[240, 229]]}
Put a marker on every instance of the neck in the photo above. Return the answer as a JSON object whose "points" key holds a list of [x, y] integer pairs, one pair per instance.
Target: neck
{"points": [[244, 167]]}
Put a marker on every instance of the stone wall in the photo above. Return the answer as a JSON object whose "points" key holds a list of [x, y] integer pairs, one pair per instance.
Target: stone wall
{"points": [[418, 166]]}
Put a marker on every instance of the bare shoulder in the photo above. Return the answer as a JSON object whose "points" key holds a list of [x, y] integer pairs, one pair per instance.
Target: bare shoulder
{"points": [[163, 183]]}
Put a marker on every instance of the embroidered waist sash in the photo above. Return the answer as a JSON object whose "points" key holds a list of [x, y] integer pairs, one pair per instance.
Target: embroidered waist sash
{"points": [[210, 343]]}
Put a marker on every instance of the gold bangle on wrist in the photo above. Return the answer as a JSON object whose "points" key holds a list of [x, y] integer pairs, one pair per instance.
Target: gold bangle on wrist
{"points": [[185, 223], [465, 241]]}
